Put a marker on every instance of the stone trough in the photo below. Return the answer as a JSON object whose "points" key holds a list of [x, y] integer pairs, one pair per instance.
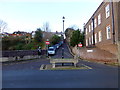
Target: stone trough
{"points": [[55, 61]]}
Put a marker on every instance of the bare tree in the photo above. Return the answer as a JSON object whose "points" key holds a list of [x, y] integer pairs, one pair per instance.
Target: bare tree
{"points": [[75, 27], [46, 27], [3, 26]]}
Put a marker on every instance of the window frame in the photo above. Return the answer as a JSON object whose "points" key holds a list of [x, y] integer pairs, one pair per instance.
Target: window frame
{"points": [[107, 10], [99, 19], [92, 39], [86, 31], [86, 42], [89, 28], [89, 40], [100, 36], [108, 32], [95, 37], [95, 22]]}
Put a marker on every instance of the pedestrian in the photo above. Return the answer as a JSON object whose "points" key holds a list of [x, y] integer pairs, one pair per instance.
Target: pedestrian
{"points": [[39, 51]]}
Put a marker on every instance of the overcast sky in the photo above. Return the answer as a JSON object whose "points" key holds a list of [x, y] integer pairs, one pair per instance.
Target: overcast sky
{"points": [[28, 15]]}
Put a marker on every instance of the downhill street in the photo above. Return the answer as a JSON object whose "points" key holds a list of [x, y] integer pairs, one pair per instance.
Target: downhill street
{"points": [[26, 74]]}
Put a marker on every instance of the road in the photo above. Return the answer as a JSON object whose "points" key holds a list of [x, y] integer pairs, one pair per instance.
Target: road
{"points": [[66, 54], [27, 74]]}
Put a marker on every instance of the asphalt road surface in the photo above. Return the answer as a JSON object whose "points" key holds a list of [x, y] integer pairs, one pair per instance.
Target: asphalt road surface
{"points": [[66, 52], [27, 74]]}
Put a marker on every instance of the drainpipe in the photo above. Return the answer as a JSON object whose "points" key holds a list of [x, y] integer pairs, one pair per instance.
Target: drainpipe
{"points": [[93, 31], [84, 34], [113, 24]]}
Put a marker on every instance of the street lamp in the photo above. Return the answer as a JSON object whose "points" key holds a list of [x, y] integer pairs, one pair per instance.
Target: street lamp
{"points": [[63, 23], [63, 27], [63, 38]]}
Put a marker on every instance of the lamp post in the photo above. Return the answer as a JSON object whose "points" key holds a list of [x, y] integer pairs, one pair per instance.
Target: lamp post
{"points": [[63, 23], [63, 38]]}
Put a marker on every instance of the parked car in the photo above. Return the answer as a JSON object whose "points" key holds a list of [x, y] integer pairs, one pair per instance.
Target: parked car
{"points": [[57, 45], [51, 51], [60, 43]]}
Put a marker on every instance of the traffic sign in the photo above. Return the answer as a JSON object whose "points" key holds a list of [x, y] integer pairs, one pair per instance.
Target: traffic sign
{"points": [[47, 42], [80, 45]]}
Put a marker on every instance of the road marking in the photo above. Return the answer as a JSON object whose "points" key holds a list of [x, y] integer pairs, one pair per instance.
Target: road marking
{"points": [[87, 66]]}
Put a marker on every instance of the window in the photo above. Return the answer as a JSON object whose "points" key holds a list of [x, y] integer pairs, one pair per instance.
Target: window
{"points": [[107, 10], [100, 36], [99, 19], [89, 41], [92, 26], [108, 32], [86, 42], [96, 38], [86, 31], [95, 22], [89, 28], [92, 39]]}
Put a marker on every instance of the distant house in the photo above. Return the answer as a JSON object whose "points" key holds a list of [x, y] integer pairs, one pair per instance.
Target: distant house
{"points": [[5, 34], [15, 35], [33, 34], [101, 30], [58, 33], [47, 35], [27, 36]]}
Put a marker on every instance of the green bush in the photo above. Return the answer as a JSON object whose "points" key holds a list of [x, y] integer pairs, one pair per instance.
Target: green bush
{"points": [[55, 39], [19, 46], [21, 43], [75, 39]]}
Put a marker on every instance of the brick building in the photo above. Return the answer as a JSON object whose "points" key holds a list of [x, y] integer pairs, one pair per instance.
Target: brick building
{"points": [[103, 28]]}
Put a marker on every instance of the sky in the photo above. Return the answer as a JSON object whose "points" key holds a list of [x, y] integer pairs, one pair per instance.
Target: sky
{"points": [[28, 15]]}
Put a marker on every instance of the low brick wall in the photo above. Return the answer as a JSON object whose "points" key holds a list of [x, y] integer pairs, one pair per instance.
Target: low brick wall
{"points": [[17, 55], [17, 58], [20, 53], [95, 54]]}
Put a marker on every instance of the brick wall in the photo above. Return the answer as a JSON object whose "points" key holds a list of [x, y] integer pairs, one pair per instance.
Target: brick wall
{"points": [[101, 27], [119, 32], [118, 21], [111, 48], [97, 55]]}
